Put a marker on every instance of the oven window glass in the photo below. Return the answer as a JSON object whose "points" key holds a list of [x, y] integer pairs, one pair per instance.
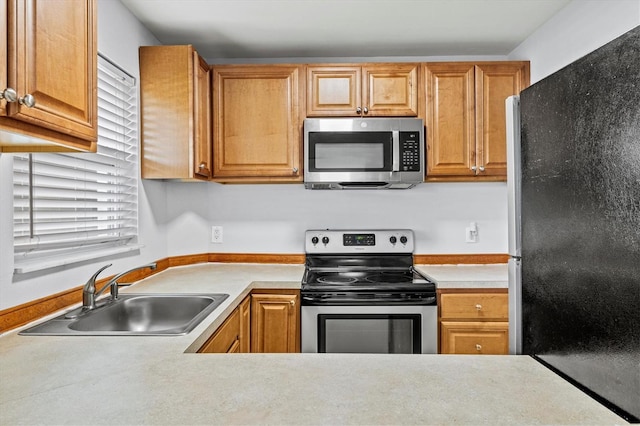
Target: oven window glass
{"points": [[369, 333], [348, 151]]}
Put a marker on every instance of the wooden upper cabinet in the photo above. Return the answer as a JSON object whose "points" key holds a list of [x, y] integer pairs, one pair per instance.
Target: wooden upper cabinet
{"points": [[257, 123], [495, 82], [203, 147], [49, 48], [333, 90], [450, 119], [465, 117], [3, 57], [370, 90], [175, 110]]}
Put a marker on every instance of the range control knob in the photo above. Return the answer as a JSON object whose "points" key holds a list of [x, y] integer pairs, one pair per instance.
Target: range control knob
{"points": [[325, 240], [314, 240], [393, 240], [403, 239]]}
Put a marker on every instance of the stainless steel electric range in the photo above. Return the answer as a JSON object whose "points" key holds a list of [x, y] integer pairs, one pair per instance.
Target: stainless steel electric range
{"points": [[361, 294]]}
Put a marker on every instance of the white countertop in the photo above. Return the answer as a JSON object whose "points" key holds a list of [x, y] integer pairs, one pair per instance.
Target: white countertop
{"points": [[467, 276], [151, 380]]}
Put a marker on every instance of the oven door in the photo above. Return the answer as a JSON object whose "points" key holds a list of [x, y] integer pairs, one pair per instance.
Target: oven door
{"points": [[369, 329]]}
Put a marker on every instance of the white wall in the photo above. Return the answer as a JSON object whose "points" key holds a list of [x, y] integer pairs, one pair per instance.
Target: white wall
{"points": [[579, 28], [119, 35], [175, 218], [273, 218]]}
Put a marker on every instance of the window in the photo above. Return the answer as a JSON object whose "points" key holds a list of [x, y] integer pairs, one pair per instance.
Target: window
{"points": [[74, 207]]}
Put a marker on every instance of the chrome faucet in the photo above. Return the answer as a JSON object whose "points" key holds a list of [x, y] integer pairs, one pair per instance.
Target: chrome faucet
{"points": [[90, 294]]}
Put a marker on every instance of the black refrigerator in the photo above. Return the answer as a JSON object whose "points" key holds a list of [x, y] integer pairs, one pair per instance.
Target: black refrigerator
{"points": [[580, 223]]}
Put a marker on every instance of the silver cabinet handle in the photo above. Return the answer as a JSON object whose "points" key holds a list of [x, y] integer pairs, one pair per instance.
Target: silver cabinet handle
{"points": [[473, 168], [479, 307], [202, 165], [9, 95], [292, 302], [295, 170], [366, 110], [27, 100], [358, 110], [482, 168], [478, 347]]}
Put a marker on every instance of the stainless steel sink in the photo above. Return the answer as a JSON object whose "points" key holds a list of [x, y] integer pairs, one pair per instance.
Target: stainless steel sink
{"points": [[134, 315]]}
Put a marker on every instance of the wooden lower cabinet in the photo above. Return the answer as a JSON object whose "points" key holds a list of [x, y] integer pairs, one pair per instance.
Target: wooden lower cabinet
{"points": [[245, 325], [474, 322], [265, 321], [275, 322], [227, 338]]}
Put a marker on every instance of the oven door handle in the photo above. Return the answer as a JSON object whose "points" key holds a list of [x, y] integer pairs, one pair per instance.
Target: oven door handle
{"points": [[395, 166]]}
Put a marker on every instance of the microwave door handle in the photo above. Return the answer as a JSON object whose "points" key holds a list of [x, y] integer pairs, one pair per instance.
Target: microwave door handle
{"points": [[395, 166]]}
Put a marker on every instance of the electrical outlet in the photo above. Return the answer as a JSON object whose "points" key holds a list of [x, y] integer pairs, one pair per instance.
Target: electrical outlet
{"points": [[216, 234], [471, 233]]}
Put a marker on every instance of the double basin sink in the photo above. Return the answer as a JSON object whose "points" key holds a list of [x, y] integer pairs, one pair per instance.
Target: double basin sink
{"points": [[134, 315]]}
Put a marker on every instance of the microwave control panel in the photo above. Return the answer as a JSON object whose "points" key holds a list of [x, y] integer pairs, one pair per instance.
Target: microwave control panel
{"points": [[409, 151]]}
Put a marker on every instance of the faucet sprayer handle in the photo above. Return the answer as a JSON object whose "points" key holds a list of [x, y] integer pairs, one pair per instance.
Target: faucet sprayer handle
{"points": [[92, 281]]}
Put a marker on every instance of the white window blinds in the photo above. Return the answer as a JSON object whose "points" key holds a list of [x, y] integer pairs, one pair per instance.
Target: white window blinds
{"points": [[73, 207]]}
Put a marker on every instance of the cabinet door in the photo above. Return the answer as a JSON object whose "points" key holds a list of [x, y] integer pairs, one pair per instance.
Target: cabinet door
{"points": [[450, 119], [494, 84], [274, 323], [390, 90], [202, 117], [245, 325], [333, 91], [55, 61], [3, 55], [257, 123], [226, 338], [474, 338], [175, 111]]}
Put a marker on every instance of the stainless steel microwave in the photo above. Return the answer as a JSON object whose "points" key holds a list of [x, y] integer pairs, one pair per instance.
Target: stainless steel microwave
{"points": [[363, 153]]}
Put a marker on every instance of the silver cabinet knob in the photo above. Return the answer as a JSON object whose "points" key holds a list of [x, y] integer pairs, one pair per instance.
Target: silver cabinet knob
{"points": [[295, 170], [358, 110], [482, 168], [479, 307], [474, 168], [366, 110], [27, 100], [292, 302], [478, 347], [202, 165], [9, 95]]}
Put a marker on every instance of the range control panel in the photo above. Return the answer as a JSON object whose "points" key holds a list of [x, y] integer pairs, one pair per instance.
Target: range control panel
{"points": [[332, 241]]}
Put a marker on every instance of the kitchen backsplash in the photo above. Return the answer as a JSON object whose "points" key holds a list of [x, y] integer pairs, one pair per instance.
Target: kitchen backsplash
{"points": [[273, 218]]}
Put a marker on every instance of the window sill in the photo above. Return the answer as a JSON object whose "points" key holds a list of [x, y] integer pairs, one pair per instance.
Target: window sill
{"points": [[35, 265]]}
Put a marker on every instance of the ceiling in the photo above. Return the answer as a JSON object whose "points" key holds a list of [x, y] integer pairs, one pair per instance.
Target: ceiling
{"points": [[225, 29]]}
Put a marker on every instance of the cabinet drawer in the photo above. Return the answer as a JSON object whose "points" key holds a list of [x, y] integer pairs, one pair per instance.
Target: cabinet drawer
{"points": [[476, 306], [477, 338], [226, 338]]}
